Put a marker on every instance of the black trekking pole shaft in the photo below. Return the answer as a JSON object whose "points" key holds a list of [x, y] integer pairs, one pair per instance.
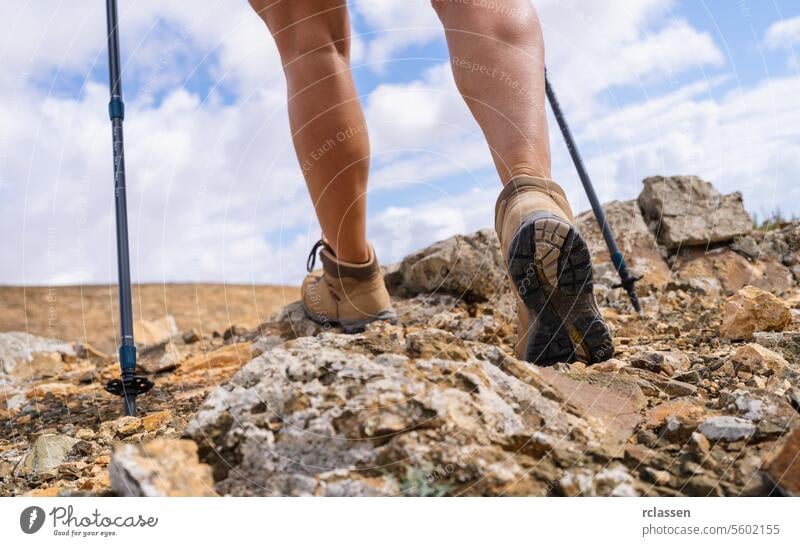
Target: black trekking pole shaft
{"points": [[127, 387], [617, 258]]}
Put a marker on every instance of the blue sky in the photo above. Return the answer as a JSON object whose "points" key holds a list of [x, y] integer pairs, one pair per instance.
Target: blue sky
{"points": [[215, 192]]}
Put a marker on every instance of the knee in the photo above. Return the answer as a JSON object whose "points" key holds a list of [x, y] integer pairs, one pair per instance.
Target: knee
{"points": [[300, 35], [306, 43], [507, 21]]}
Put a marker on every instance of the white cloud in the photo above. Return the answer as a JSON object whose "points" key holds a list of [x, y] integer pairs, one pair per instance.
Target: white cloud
{"points": [[783, 34], [399, 231], [741, 141], [394, 25], [211, 178]]}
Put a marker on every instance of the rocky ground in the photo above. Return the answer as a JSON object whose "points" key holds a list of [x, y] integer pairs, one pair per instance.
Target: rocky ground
{"points": [[701, 398]]}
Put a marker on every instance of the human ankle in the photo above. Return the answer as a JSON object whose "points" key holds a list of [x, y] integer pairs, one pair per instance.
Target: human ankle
{"points": [[526, 169], [353, 254]]}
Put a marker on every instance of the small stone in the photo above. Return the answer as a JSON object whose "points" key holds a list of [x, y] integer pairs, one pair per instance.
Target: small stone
{"points": [[81, 448], [755, 359], [160, 468], [234, 331], [57, 390], [102, 460], [702, 486], [686, 408], [692, 377], [84, 434], [700, 443], [652, 362], [677, 388], [156, 420], [170, 360], [727, 428], [191, 336], [659, 477], [124, 426], [752, 310], [611, 365]]}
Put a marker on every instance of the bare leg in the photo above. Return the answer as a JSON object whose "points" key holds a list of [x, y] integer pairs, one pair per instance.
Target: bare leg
{"points": [[497, 57], [328, 126]]}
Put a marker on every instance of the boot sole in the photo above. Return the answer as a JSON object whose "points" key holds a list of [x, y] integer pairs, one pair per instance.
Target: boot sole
{"points": [[351, 326], [551, 268]]}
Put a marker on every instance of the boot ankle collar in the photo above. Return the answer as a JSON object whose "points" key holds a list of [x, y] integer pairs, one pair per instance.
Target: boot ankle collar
{"points": [[340, 269], [521, 183]]}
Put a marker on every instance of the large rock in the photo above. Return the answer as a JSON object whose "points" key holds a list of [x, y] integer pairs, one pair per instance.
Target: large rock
{"points": [[727, 428], [781, 245], [466, 266], [686, 210], [423, 413], [753, 310], [152, 332], [46, 453], [26, 355], [634, 239], [159, 468], [726, 270], [783, 465], [753, 358]]}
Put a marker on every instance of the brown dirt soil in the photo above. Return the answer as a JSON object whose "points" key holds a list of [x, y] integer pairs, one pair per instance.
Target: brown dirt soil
{"points": [[89, 313]]}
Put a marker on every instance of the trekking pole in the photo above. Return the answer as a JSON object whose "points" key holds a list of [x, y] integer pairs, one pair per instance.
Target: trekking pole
{"points": [[129, 386], [627, 281]]}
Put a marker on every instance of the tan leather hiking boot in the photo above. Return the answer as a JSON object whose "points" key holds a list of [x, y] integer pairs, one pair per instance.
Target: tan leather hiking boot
{"points": [[343, 293], [551, 270]]}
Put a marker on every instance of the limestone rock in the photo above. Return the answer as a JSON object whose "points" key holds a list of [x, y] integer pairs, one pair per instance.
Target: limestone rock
{"points": [[156, 420], [634, 239], [663, 362], [122, 427], [26, 355], [751, 310], [686, 210], [233, 355], [475, 419], [161, 362], [436, 404], [159, 468], [686, 409], [753, 358], [47, 452], [152, 332], [727, 428], [783, 467], [724, 270], [466, 266], [781, 245]]}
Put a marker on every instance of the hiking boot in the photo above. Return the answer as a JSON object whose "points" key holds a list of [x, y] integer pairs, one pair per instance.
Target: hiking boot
{"points": [[551, 270], [345, 294]]}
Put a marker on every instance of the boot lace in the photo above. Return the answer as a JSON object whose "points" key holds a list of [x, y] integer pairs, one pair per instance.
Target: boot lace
{"points": [[312, 256]]}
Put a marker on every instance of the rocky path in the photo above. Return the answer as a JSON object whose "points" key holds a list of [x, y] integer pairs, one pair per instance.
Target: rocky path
{"points": [[702, 397]]}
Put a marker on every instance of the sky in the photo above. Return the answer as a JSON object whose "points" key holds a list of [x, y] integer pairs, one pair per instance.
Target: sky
{"points": [[215, 193]]}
